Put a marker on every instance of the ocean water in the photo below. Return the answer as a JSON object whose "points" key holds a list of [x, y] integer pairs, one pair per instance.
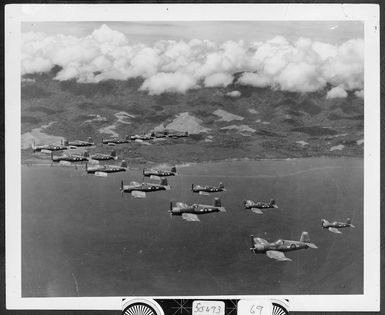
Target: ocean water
{"points": [[81, 237]]}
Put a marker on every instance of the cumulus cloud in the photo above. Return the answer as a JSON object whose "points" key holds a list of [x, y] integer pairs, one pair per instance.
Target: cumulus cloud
{"points": [[337, 92], [359, 93], [218, 80], [300, 66]]}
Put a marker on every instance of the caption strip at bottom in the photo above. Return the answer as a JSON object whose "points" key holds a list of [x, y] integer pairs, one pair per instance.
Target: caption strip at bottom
{"points": [[141, 306]]}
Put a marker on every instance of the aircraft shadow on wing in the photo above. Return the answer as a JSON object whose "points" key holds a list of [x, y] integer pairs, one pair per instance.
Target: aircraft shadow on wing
{"points": [[276, 250], [335, 226], [191, 213], [257, 207]]}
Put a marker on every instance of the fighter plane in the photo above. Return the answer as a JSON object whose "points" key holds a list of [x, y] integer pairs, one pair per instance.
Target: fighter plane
{"points": [[80, 143], [47, 148], [103, 157], [190, 213], [138, 190], [333, 226], [113, 141], [276, 249], [205, 190], [103, 170], [157, 172], [69, 158], [257, 206]]}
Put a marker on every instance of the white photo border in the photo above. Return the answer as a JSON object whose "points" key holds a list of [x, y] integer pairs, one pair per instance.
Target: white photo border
{"points": [[15, 14]]}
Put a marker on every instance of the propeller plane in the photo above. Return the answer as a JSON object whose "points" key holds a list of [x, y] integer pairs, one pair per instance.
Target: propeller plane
{"points": [[103, 170], [103, 157], [257, 207], [138, 190], [335, 226], [159, 173], [205, 190], [276, 250], [190, 213]]}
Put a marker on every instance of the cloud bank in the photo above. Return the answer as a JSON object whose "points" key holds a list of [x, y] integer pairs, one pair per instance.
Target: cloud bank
{"points": [[178, 66]]}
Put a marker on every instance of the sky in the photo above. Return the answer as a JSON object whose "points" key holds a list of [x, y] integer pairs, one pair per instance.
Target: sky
{"points": [[180, 56]]}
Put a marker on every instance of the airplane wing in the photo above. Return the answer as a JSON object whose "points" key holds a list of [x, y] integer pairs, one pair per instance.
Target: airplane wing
{"points": [[334, 230], [45, 151], [65, 163], [190, 217], [256, 210], [111, 144], [138, 194], [277, 255], [154, 177], [101, 174], [204, 193]]}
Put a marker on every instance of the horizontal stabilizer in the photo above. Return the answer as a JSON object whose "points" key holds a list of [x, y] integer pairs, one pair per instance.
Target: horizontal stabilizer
{"points": [[204, 193], [312, 245], [275, 206], [93, 161], [101, 174], [352, 226], [138, 194], [154, 177], [256, 210], [277, 255], [222, 209], [335, 230]]}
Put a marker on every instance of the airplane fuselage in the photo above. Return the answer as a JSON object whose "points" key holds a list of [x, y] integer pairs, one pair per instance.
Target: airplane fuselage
{"points": [[197, 189], [153, 172], [81, 143], [145, 187], [50, 147], [105, 169], [195, 209], [335, 225], [102, 157], [115, 141], [73, 158], [284, 246]]}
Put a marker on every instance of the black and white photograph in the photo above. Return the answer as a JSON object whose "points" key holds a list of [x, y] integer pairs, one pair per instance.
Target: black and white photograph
{"points": [[194, 158]]}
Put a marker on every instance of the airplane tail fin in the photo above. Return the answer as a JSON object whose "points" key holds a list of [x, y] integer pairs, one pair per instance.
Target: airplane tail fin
{"points": [[272, 202], [221, 185], [349, 221], [124, 164], [192, 186], [33, 145], [324, 222], [86, 154], [52, 155], [186, 133], [305, 237], [113, 153], [121, 185], [89, 139], [252, 243], [86, 166], [65, 142], [217, 202], [173, 169], [163, 181]]}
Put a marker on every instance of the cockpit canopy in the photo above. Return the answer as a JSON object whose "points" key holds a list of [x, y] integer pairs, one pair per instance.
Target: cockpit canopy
{"points": [[279, 242]]}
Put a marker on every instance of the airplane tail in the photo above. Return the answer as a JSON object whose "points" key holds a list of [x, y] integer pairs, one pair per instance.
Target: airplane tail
{"points": [[324, 222], [113, 154], [65, 142], [173, 169], [86, 154], [124, 164], [33, 145], [192, 186], [52, 155], [86, 166], [121, 185], [186, 133], [272, 203], [221, 185], [217, 202], [89, 139], [305, 238], [163, 181], [349, 221]]}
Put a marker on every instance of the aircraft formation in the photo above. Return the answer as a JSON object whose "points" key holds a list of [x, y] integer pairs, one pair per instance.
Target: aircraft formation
{"points": [[274, 250]]}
